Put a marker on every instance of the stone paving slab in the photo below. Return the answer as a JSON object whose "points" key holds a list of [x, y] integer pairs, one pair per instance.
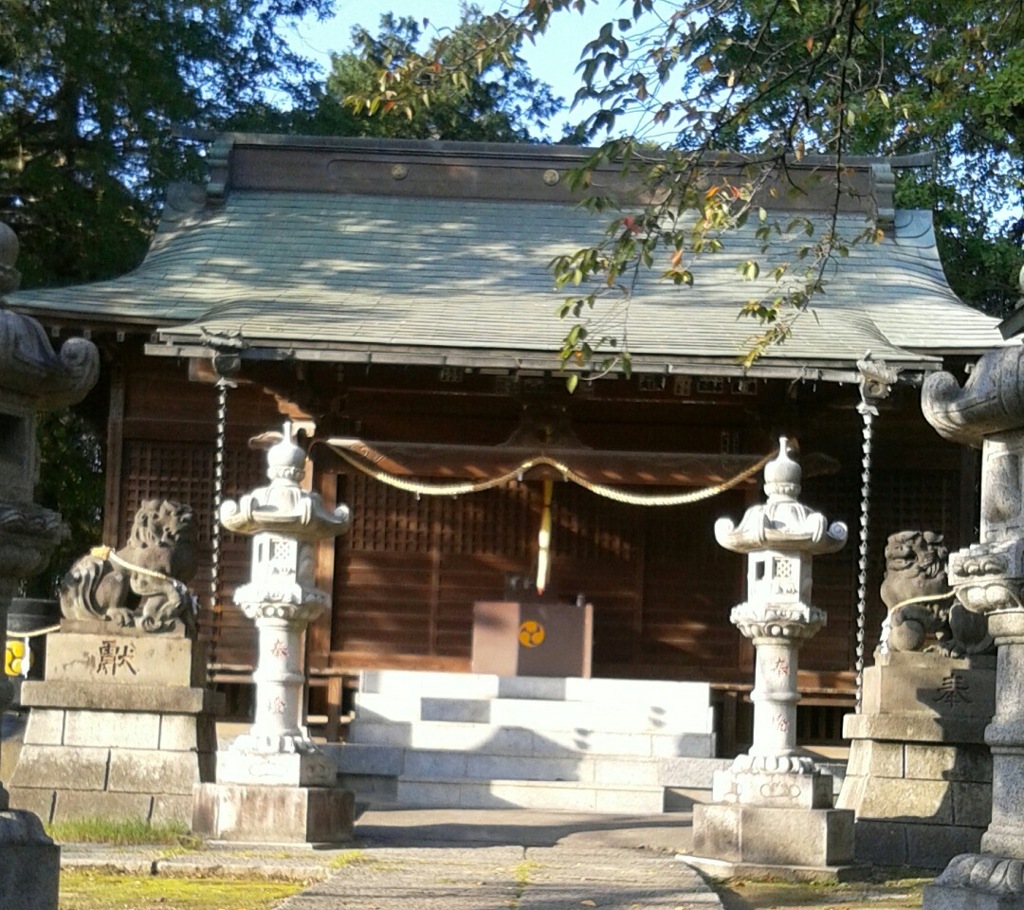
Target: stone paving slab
{"points": [[496, 878], [453, 860]]}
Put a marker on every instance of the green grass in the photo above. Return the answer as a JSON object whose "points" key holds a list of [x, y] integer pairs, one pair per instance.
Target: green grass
{"points": [[121, 832], [88, 890], [348, 858]]}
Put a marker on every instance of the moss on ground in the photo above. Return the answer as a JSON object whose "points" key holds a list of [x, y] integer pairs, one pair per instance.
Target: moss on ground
{"points": [[887, 889]]}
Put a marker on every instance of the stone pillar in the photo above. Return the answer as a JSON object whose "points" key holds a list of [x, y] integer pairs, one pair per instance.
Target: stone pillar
{"points": [[32, 379], [773, 807], [273, 783], [988, 578]]}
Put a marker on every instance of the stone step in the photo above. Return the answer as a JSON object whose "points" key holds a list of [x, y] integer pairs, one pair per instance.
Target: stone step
{"points": [[556, 796], [367, 761], [483, 685], [520, 741], [621, 717]]}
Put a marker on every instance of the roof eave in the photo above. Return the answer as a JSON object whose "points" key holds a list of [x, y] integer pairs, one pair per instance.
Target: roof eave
{"points": [[771, 367]]}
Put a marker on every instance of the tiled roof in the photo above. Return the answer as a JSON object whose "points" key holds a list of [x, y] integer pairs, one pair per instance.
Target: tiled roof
{"points": [[466, 282]]}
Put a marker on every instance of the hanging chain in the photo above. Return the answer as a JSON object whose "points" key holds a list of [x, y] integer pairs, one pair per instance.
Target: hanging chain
{"points": [[225, 358], [867, 413], [876, 381], [223, 384]]}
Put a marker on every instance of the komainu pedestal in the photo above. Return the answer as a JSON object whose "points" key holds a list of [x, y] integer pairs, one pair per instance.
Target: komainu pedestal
{"points": [[122, 726], [920, 775]]}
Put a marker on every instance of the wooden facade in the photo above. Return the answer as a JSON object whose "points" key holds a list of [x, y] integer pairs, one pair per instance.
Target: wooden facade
{"points": [[405, 578]]}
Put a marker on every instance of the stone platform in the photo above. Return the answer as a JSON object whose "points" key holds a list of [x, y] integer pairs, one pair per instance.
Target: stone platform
{"points": [[920, 775], [121, 728]]}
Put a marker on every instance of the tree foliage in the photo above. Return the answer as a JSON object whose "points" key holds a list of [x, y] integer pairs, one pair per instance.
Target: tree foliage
{"points": [[463, 96], [71, 481], [669, 84], [91, 94]]}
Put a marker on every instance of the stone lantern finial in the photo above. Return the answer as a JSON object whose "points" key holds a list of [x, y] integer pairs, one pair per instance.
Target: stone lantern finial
{"points": [[782, 475], [285, 460]]}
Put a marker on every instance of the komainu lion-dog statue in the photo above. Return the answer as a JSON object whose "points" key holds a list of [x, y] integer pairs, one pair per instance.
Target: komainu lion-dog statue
{"points": [[145, 583], [920, 603]]}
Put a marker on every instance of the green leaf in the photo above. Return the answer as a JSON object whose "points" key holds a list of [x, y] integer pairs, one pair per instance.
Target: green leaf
{"points": [[749, 270]]}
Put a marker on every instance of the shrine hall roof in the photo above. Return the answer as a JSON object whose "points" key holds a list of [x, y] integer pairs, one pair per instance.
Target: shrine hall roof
{"points": [[439, 253]]}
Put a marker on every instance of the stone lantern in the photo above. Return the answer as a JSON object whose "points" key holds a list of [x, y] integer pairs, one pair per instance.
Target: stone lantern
{"points": [[773, 806], [32, 379], [273, 783], [988, 578]]}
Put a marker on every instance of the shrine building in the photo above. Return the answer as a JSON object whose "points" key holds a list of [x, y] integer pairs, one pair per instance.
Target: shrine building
{"points": [[394, 300]]}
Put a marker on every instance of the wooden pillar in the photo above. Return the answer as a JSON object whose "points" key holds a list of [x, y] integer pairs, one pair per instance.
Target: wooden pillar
{"points": [[112, 519]]}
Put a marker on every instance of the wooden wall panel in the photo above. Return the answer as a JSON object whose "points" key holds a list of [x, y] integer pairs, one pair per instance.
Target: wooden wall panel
{"points": [[464, 579]]}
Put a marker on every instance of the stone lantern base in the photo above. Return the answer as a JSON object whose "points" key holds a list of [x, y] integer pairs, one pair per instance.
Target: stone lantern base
{"points": [[790, 844], [257, 813], [274, 797], [777, 819]]}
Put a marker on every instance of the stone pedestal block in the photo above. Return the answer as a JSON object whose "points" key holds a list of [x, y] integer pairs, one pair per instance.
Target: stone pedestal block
{"points": [[919, 776], [88, 652], [117, 730], [278, 769], [762, 836], [262, 814], [931, 684]]}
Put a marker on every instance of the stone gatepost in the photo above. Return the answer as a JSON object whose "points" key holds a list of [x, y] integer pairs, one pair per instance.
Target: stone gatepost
{"points": [[273, 783], [988, 578], [32, 379], [773, 807]]}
